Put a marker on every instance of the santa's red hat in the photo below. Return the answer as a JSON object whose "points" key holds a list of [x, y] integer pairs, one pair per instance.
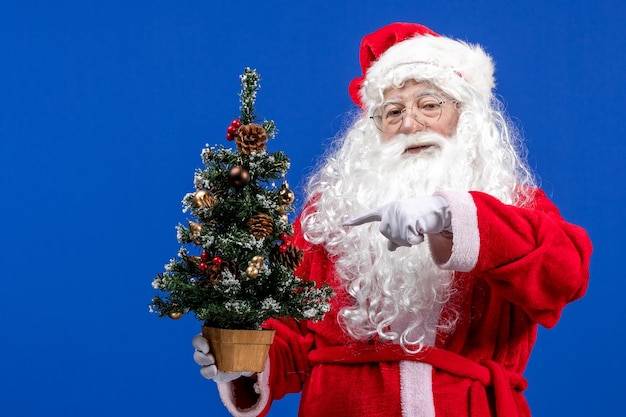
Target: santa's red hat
{"points": [[402, 51]]}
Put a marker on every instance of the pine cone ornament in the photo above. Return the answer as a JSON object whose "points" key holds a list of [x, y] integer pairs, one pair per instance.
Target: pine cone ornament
{"points": [[213, 274], [260, 225], [231, 266], [251, 138], [291, 258], [193, 261]]}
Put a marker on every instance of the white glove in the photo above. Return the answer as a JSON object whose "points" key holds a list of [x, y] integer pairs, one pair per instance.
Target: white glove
{"points": [[405, 222], [206, 360]]}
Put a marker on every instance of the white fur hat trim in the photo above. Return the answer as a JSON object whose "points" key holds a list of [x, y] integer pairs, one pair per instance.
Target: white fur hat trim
{"points": [[435, 58]]}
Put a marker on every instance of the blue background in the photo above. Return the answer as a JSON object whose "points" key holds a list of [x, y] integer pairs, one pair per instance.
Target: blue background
{"points": [[105, 106]]}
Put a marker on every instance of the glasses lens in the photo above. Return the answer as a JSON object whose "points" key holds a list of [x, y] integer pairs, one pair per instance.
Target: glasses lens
{"points": [[378, 121], [428, 109], [389, 118]]}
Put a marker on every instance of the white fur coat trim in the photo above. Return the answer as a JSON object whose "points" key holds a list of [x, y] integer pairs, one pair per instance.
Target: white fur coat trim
{"points": [[262, 387], [466, 238], [416, 392]]}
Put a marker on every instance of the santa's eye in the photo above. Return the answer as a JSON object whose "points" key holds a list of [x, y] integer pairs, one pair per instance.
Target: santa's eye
{"points": [[428, 105], [393, 113]]}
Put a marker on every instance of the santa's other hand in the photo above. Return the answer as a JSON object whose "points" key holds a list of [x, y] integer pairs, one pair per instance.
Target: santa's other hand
{"points": [[203, 357], [405, 222]]}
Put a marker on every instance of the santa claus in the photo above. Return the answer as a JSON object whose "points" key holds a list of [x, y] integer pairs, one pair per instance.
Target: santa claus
{"points": [[444, 254]]}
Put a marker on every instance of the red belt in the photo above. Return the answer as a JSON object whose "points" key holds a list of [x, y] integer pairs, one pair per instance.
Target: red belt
{"points": [[484, 374]]}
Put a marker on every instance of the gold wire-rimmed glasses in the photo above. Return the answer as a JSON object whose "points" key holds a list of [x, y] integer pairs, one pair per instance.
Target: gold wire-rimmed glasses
{"points": [[425, 110]]}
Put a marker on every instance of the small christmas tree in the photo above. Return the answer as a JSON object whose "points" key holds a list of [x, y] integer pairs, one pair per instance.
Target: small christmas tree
{"points": [[236, 266]]}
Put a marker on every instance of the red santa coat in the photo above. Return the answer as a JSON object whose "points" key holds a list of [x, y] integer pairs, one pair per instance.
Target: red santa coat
{"points": [[514, 268]]}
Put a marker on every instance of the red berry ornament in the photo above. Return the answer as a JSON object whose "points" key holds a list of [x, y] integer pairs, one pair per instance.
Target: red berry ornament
{"points": [[283, 248], [217, 261], [204, 256], [202, 266], [232, 129]]}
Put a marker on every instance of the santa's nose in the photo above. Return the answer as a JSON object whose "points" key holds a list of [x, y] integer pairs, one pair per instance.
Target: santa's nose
{"points": [[410, 124]]}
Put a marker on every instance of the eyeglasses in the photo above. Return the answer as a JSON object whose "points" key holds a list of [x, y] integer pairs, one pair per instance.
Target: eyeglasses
{"points": [[426, 110]]}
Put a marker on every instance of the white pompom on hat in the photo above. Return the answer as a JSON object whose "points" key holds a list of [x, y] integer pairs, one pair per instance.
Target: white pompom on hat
{"points": [[402, 51]]}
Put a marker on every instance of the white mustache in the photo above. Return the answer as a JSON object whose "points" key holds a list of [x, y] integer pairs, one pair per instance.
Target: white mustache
{"points": [[402, 142]]}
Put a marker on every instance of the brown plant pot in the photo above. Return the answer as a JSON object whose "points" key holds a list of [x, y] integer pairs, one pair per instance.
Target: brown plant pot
{"points": [[239, 350]]}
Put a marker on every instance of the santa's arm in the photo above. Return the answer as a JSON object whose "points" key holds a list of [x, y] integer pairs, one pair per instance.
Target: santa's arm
{"points": [[531, 256]]}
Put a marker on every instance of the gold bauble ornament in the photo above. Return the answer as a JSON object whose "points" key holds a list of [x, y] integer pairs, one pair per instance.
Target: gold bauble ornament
{"points": [[203, 198], [175, 315], [252, 271], [257, 261], [285, 195], [195, 228]]}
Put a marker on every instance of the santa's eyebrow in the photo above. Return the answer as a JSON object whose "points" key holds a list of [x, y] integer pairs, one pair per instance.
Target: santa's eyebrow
{"points": [[429, 92], [422, 93]]}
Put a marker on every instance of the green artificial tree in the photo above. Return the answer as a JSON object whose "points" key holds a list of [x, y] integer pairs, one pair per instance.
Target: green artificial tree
{"points": [[236, 267]]}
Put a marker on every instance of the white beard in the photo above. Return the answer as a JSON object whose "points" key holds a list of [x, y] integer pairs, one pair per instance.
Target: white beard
{"points": [[397, 296]]}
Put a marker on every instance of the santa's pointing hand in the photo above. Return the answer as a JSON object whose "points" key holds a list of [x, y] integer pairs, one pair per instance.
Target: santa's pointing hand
{"points": [[405, 222]]}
